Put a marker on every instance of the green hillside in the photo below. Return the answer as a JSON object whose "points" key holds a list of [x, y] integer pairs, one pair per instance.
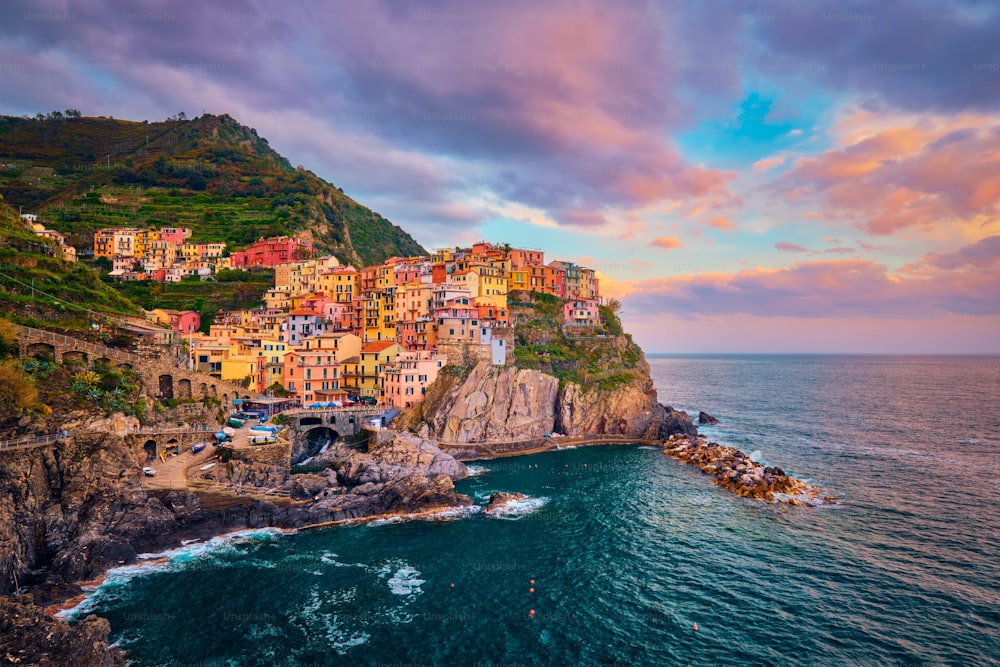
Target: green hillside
{"points": [[210, 174], [36, 287]]}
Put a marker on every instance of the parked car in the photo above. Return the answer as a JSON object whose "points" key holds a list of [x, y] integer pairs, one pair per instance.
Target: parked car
{"points": [[149, 472]]}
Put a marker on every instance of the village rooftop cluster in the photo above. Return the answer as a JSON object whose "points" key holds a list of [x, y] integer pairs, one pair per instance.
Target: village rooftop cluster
{"points": [[330, 333]]}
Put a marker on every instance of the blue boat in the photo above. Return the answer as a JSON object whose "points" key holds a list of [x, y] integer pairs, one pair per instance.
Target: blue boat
{"points": [[200, 446], [220, 436]]}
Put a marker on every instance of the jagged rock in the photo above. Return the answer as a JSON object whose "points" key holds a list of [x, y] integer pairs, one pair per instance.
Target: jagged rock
{"points": [[705, 418], [29, 637], [676, 422], [408, 451], [499, 501]]}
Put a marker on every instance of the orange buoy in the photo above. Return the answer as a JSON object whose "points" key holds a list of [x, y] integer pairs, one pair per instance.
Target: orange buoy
{"points": [[532, 582], [453, 585], [531, 612], [695, 628], [531, 590]]}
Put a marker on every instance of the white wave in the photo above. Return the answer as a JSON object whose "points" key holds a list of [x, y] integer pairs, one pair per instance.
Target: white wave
{"points": [[515, 509], [756, 456], [406, 582], [561, 448], [150, 563], [476, 471], [647, 447]]}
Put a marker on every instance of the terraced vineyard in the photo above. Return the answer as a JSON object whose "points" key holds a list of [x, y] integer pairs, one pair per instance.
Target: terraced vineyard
{"points": [[210, 174]]}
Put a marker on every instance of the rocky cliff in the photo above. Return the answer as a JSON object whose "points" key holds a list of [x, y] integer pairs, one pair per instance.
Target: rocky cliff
{"points": [[487, 403]]}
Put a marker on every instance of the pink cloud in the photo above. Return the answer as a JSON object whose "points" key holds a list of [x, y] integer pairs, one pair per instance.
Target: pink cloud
{"points": [[666, 242], [768, 163], [822, 289], [916, 177], [720, 222]]}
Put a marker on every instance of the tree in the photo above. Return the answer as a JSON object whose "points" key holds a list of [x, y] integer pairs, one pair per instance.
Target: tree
{"points": [[18, 391]]}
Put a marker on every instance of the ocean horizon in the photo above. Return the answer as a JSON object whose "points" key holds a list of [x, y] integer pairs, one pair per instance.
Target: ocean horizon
{"points": [[621, 551]]}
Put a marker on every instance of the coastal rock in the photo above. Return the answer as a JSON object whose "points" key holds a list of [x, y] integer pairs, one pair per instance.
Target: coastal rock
{"points": [[676, 422], [498, 501], [407, 451], [705, 418], [735, 471], [490, 403], [29, 637]]}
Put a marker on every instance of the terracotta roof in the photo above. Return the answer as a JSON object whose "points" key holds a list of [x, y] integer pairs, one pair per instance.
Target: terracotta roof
{"points": [[303, 311], [377, 346]]}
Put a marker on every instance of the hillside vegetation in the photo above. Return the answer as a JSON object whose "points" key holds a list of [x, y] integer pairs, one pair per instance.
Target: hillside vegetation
{"points": [[210, 174], [600, 357], [34, 283]]}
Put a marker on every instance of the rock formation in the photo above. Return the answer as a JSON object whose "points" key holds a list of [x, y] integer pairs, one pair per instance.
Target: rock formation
{"points": [[490, 403], [735, 471], [499, 501], [705, 418], [29, 637]]}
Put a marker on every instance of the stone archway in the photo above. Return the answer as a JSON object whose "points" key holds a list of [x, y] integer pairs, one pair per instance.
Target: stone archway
{"points": [[124, 366], [41, 351], [184, 388], [213, 391], [150, 449], [204, 389], [75, 356], [317, 438], [103, 361], [310, 421], [166, 386], [173, 445]]}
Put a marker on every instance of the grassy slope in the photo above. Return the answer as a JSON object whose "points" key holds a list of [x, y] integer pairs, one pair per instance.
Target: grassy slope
{"points": [[24, 258], [541, 343], [210, 174]]}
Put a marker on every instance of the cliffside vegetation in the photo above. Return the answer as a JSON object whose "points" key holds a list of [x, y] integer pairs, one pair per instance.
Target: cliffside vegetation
{"points": [[31, 274], [209, 173], [603, 357]]}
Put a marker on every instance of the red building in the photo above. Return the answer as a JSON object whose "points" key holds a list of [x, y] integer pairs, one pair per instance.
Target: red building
{"points": [[271, 252]]}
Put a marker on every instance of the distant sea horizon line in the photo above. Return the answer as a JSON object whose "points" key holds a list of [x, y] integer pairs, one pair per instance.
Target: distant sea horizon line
{"points": [[901, 355]]}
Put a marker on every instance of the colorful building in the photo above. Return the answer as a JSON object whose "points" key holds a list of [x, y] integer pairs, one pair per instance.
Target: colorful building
{"points": [[406, 380]]}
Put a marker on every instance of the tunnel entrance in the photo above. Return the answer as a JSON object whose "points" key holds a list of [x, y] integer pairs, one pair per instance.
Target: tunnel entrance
{"points": [[150, 449], [318, 438]]}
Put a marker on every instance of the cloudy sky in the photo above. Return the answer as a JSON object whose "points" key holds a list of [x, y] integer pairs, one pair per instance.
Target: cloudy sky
{"points": [[747, 176]]}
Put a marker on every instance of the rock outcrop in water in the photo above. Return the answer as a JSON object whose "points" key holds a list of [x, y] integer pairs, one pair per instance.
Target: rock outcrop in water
{"points": [[735, 471], [705, 418], [499, 501]]}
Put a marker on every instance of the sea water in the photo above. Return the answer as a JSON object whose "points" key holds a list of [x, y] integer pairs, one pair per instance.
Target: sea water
{"points": [[629, 549]]}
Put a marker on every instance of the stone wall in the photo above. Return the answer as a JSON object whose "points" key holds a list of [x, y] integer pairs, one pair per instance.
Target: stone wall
{"points": [[278, 454]]}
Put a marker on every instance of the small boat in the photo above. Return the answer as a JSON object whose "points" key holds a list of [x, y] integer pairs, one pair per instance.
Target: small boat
{"points": [[207, 466], [236, 423], [149, 472], [200, 446], [260, 428], [221, 435], [229, 431]]}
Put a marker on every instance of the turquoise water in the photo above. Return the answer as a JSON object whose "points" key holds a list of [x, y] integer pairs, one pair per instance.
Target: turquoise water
{"points": [[629, 549]]}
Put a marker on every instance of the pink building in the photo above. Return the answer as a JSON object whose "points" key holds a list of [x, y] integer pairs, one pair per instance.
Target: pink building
{"points": [[312, 372], [582, 313], [406, 380], [176, 235], [271, 252], [184, 321]]}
